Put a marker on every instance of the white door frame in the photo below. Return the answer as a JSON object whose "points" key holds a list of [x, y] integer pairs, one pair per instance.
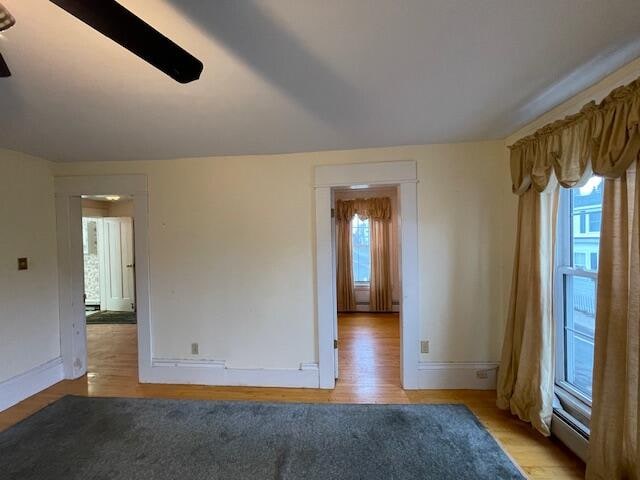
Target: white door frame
{"points": [[73, 341], [402, 174]]}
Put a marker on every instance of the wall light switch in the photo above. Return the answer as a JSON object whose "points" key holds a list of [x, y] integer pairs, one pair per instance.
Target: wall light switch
{"points": [[23, 263], [424, 346], [194, 349]]}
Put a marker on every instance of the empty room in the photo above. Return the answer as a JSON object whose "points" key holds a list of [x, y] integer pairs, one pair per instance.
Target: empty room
{"points": [[340, 239]]}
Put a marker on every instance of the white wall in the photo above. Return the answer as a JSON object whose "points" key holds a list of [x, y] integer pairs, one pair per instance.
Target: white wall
{"points": [[224, 226], [29, 326]]}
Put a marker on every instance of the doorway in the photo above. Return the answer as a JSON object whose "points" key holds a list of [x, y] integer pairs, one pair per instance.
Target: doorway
{"points": [[109, 281], [115, 235], [403, 176], [365, 221]]}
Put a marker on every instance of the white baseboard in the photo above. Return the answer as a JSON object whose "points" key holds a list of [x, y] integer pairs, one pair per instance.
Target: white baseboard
{"points": [[215, 372], [365, 308], [457, 375], [29, 383]]}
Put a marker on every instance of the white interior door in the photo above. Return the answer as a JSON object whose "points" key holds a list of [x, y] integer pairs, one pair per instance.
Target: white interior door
{"points": [[119, 264]]}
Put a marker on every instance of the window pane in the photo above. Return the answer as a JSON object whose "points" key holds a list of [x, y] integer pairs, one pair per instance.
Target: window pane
{"points": [[595, 218], [361, 251], [580, 311], [586, 212]]}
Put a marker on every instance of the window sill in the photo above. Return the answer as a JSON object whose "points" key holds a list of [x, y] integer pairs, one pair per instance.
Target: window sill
{"points": [[574, 406]]}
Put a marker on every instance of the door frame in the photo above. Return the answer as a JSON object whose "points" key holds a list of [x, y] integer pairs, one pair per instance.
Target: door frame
{"points": [[73, 340], [403, 175]]}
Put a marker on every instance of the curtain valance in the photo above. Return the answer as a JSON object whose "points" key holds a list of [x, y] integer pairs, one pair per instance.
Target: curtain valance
{"points": [[377, 208], [602, 138]]}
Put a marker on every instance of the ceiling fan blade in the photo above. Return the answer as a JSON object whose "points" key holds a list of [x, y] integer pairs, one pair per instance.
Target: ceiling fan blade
{"points": [[123, 27], [6, 19], [4, 68]]}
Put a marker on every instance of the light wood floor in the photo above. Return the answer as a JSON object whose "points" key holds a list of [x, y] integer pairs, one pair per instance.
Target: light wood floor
{"points": [[369, 373]]}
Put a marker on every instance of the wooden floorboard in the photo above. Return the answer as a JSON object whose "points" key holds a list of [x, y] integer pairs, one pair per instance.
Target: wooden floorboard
{"points": [[369, 362]]}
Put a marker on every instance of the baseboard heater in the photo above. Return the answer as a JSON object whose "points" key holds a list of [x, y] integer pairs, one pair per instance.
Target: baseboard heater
{"points": [[570, 433]]}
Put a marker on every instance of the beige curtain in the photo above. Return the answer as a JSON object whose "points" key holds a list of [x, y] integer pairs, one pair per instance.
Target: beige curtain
{"points": [[345, 289], [604, 139], [525, 377], [380, 285], [378, 211], [378, 207], [615, 443]]}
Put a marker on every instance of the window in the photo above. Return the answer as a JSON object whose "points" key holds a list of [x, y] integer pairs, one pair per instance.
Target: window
{"points": [[575, 296], [361, 250], [595, 218], [582, 222]]}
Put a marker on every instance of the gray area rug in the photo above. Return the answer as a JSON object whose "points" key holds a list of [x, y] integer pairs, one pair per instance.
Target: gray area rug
{"points": [[111, 317], [116, 438]]}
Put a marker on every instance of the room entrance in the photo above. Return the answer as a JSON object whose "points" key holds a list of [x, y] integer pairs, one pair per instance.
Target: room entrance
{"points": [[125, 221], [109, 280], [365, 225], [108, 252], [402, 176]]}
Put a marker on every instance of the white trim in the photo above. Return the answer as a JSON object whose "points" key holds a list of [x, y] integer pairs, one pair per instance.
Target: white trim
{"points": [[325, 298], [380, 173], [68, 190], [29, 383], [457, 375], [409, 285], [187, 362], [71, 285], [403, 175], [215, 372]]}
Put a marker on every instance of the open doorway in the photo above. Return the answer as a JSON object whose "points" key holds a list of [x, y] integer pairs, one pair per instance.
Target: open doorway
{"points": [[109, 281], [366, 248], [403, 175]]}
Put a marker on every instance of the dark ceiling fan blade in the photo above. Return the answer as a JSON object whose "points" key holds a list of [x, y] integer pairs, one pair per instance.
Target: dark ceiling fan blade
{"points": [[4, 69], [6, 19], [123, 27]]}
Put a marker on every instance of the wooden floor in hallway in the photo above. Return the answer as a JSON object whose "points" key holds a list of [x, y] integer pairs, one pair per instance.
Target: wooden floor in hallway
{"points": [[369, 360]]}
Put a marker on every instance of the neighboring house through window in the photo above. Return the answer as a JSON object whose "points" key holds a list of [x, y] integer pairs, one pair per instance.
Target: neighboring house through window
{"points": [[361, 254]]}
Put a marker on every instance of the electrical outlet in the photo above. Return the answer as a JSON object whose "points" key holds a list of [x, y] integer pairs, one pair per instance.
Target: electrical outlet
{"points": [[194, 349], [482, 373], [424, 346]]}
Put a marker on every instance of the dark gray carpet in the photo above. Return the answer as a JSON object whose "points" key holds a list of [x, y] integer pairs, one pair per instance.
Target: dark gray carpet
{"points": [[111, 317], [102, 438]]}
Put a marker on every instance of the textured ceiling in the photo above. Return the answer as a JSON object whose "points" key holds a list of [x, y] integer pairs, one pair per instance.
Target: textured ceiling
{"points": [[303, 75]]}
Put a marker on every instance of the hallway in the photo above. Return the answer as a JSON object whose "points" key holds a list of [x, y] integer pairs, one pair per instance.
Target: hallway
{"points": [[369, 358]]}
